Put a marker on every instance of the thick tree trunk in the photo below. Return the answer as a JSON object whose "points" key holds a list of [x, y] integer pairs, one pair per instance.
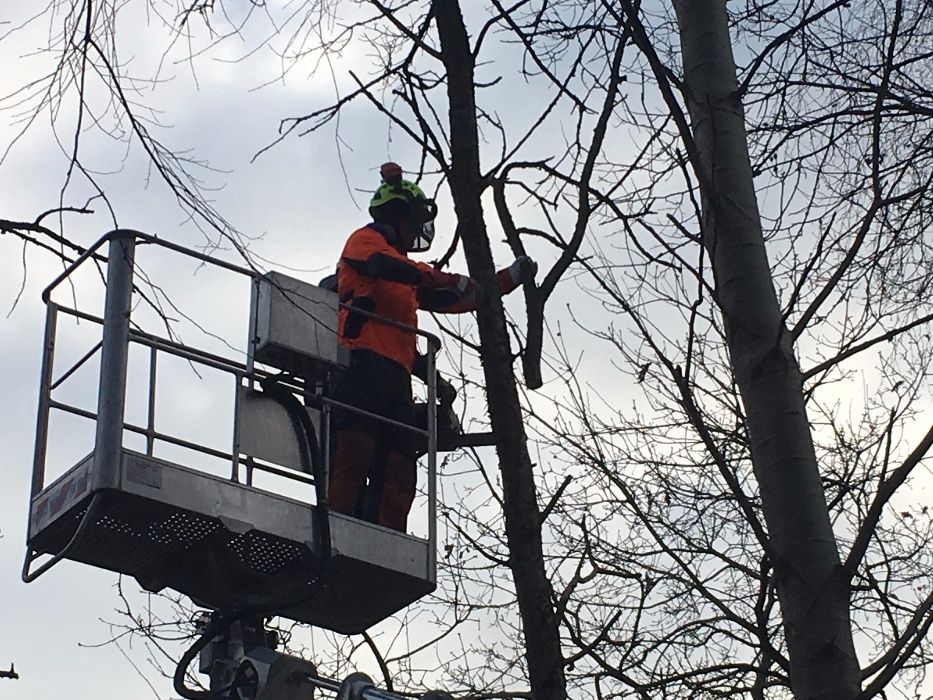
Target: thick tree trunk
{"points": [[813, 593], [522, 515]]}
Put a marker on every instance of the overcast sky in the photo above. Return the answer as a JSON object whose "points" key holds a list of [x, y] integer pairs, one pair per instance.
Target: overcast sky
{"points": [[295, 197], [299, 200]]}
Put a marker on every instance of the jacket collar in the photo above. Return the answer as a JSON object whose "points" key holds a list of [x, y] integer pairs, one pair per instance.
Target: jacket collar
{"points": [[385, 232]]}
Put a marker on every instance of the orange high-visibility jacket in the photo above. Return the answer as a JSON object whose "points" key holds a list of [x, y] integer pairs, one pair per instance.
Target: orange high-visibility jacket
{"points": [[374, 276]]}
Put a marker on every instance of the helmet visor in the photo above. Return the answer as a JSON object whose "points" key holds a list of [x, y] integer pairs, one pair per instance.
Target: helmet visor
{"points": [[424, 212], [424, 238]]}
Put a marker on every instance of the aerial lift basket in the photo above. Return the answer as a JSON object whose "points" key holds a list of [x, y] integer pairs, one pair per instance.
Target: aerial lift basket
{"points": [[220, 540]]}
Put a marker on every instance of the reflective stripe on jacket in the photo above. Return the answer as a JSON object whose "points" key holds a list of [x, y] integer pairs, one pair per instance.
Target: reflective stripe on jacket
{"points": [[393, 300], [368, 277]]}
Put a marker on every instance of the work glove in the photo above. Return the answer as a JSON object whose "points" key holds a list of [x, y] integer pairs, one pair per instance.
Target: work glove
{"points": [[523, 270]]}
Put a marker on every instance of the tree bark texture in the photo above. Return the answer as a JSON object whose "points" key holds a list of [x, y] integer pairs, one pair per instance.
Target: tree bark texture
{"points": [[812, 589], [522, 515]]}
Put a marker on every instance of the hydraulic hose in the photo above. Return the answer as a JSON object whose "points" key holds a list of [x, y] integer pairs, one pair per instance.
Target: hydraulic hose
{"points": [[311, 459], [311, 463], [213, 628]]}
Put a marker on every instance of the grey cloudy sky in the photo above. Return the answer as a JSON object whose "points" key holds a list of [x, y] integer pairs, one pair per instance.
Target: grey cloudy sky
{"points": [[295, 199], [295, 195]]}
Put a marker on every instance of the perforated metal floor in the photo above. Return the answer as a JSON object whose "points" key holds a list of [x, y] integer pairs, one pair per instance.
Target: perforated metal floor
{"points": [[227, 545]]}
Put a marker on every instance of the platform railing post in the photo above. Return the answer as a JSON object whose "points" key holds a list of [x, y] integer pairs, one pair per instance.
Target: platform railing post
{"points": [[326, 422], [150, 414], [45, 391], [235, 447], [111, 397], [432, 462]]}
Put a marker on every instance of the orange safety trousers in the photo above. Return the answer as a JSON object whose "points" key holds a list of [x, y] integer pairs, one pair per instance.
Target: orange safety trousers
{"points": [[387, 498], [373, 471]]}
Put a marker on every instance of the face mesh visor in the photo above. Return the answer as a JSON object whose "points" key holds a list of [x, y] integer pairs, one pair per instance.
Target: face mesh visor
{"points": [[425, 212], [424, 238]]}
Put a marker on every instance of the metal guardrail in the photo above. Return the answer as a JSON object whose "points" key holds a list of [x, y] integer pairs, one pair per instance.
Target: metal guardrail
{"points": [[113, 347]]}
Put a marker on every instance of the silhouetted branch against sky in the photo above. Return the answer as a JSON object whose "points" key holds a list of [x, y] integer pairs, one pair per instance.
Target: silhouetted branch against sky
{"points": [[254, 131]]}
